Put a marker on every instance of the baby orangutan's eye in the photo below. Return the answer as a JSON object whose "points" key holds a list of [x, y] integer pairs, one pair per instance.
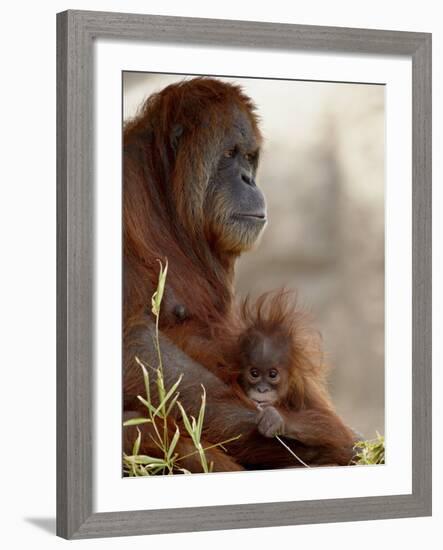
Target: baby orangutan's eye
{"points": [[254, 373], [273, 373]]}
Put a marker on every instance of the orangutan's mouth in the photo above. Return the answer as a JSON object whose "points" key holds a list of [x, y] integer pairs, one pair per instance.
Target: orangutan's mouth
{"points": [[259, 216], [264, 403]]}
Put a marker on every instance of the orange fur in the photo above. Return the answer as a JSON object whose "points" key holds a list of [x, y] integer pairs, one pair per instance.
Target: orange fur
{"points": [[164, 216], [276, 314]]}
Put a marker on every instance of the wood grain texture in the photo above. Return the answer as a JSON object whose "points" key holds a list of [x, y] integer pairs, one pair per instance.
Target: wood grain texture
{"points": [[75, 264], [76, 31], [62, 363], [422, 272], [246, 33]]}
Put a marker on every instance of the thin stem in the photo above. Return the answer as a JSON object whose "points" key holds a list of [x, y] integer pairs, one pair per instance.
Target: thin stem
{"points": [[292, 452], [210, 447]]}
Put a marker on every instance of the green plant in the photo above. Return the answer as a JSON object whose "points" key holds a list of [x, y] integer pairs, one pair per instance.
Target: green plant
{"points": [[160, 415], [371, 451]]}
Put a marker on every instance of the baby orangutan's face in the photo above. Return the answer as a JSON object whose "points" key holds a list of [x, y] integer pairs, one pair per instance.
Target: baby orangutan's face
{"points": [[264, 385]]}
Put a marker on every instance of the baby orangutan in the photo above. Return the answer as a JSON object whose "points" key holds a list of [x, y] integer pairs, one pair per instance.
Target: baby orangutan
{"points": [[264, 373], [278, 368]]}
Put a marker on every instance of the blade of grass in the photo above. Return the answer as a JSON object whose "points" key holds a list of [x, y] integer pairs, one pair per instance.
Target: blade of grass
{"points": [[168, 396], [158, 294], [147, 404], [173, 444], [185, 418], [146, 460], [201, 414], [136, 421], [136, 446], [160, 385], [211, 447], [172, 404]]}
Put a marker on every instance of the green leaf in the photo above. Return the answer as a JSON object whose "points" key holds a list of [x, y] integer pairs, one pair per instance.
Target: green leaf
{"points": [[202, 456], [173, 444], [161, 385], [136, 421], [168, 395], [172, 403], [371, 451], [136, 447], [143, 364], [157, 297], [156, 470], [146, 403], [145, 379], [201, 414], [185, 420], [145, 459]]}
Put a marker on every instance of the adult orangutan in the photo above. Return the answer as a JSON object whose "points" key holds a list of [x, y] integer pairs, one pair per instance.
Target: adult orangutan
{"points": [[190, 159]]}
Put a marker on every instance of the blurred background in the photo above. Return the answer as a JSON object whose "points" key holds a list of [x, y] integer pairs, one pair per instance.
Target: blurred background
{"points": [[322, 171]]}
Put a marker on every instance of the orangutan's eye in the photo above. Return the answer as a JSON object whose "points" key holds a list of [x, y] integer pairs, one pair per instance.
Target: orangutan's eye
{"points": [[254, 373], [273, 373], [229, 153]]}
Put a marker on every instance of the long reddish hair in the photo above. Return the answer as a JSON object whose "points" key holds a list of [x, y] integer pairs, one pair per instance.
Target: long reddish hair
{"points": [[164, 190]]}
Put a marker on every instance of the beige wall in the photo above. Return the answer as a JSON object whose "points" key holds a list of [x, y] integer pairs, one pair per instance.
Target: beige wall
{"points": [[322, 172]]}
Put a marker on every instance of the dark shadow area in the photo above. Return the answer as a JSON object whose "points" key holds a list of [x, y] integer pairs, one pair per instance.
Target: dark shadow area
{"points": [[46, 524]]}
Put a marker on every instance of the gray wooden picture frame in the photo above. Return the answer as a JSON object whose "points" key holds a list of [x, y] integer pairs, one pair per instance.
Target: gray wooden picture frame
{"points": [[76, 32]]}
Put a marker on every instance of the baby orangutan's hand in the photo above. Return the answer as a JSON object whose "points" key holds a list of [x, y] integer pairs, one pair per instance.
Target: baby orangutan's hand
{"points": [[270, 422]]}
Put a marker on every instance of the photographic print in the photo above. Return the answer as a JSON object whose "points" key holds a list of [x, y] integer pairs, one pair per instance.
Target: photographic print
{"points": [[243, 274], [253, 274]]}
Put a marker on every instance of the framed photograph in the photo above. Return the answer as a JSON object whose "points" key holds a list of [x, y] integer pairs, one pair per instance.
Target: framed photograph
{"points": [[244, 274]]}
